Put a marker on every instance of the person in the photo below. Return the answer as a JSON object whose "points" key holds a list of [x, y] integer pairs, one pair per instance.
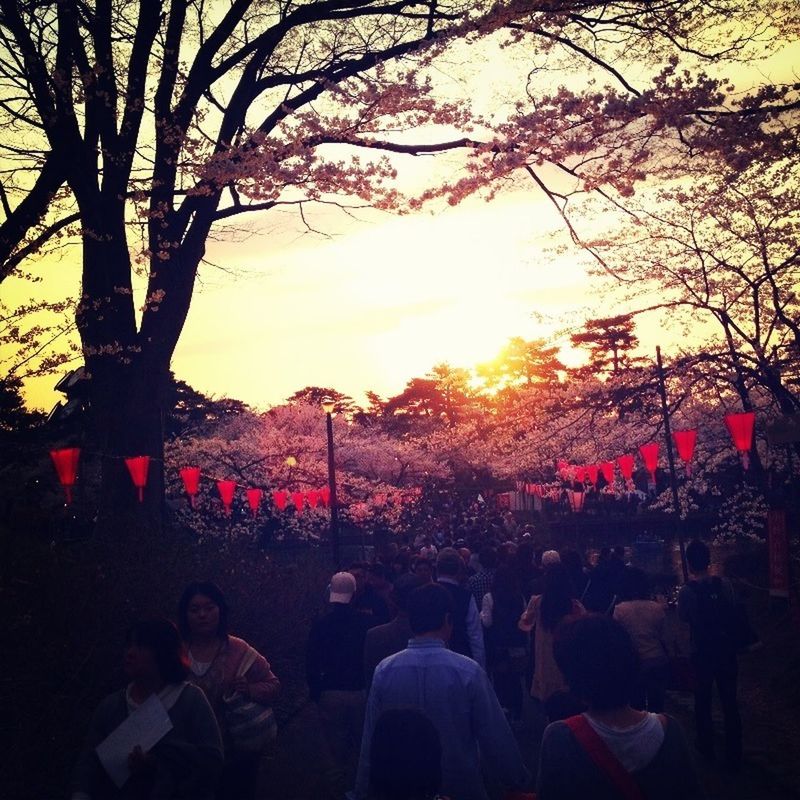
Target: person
{"points": [[507, 653], [219, 666], [612, 751], [708, 604], [481, 581], [367, 599], [467, 637], [571, 560], [405, 757], [455, 693], [335, 675], [645, 620], [423, 568], [603, 587], [385, 640], [543, 614], [185, 764]]}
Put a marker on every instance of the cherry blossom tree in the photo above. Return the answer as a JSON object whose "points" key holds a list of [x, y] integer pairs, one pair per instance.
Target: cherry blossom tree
{"points": [[141, 128]]}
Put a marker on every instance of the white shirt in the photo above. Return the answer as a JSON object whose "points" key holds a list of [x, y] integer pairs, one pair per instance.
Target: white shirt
{"points": [[633, 747]]}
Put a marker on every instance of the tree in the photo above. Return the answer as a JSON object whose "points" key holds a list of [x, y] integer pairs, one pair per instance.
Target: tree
{"points": [[609, 342], [317, 395], [147, 125], [522, 361]]}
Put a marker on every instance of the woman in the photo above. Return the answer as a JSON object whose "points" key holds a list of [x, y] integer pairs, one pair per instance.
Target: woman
{"points": [[507, 653], [185, 763], [219, 666], [543, 614], [612, 751], [644, 619]]}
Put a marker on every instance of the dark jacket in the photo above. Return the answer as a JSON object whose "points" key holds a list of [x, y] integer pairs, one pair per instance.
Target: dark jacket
{"points": [[384, 641], [460, 597], [335, 655]]}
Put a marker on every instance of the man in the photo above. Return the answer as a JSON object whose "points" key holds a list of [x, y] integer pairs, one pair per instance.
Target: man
{"points": [[708, 604], [335, 673], [386, 640], [467, 637], [481, 582], [454, 693], [367, 599]]}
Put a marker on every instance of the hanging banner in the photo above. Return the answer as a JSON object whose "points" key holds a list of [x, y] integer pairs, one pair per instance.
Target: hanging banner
{"points": [[778, 539]]}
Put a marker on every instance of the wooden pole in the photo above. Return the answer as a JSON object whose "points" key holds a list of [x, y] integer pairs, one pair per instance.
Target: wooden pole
{"points": [[673, 478]]}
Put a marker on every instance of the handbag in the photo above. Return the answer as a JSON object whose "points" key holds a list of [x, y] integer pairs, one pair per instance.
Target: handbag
{"points": [[250, 725]]}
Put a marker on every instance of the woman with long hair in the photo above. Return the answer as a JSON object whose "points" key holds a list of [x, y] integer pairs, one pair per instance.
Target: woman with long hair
{"points": [[543, 614], [231, 673], [507, 653]]}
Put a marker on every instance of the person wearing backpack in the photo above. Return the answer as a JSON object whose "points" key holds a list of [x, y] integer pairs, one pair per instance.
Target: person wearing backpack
{"points": [[708, 604]]}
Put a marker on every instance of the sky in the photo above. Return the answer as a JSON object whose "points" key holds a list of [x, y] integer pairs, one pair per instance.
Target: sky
{"points": [[378, 300]]}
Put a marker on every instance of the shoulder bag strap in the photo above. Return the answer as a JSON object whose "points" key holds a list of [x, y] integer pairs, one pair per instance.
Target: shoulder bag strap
{"points": [[602, 757], [247, 661]]}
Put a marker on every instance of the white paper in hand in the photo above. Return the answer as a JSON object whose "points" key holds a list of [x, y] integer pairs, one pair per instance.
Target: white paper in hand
{"points": [[144, 727]]}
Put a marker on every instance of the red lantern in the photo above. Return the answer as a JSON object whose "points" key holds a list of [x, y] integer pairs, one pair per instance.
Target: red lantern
{"points": [[254, 499], [325, 496], [580, 474], [280, 498], [191, 482], [684, 444], [312, 498], [741, 427], [626, 464], [593, 471], [650, 457], [297, 499], [66, 464], [607, 468], [226, 490], [138, 467]]}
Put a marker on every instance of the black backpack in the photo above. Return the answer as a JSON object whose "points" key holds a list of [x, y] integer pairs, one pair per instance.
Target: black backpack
{"points": [[720, 626]]}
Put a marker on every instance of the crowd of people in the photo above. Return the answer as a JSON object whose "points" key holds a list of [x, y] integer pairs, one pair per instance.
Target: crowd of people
{"points": [[419, 668]]}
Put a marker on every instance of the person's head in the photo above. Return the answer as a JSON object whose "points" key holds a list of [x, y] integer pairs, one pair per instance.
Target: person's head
{"points": [[429, 610], [598, 660], [571, 559], [343, 587], [449, 563], [405, 756], [154, 652], [550, 558], [359, 571], [403, 587], [202, 611], [698, 556], [377, 575], [634, 585], [488, 557], [465, 554], [423, 568], [557, 596], [401, 563]]}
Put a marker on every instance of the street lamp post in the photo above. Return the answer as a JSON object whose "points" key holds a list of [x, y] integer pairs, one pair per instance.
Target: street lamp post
{"points": [[328, 407]]}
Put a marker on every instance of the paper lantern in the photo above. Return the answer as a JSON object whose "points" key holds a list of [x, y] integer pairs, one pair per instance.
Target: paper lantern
{"points": [[325, 495], [138, 467], [226, 490], [65, 461], [593, 471], [626, 464], [580, 474], [740, 427], [649, 453], [684, 444], [607, 468], [253, 499], [297, 499], [191, 482], [312, 498], [280, 498]]}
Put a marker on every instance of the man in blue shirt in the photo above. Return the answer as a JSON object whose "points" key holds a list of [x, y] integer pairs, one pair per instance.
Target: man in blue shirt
{"points": [[454, 693]]}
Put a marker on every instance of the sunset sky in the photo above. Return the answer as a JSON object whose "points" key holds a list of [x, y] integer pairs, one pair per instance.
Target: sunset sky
{"points": [[377, 301]]}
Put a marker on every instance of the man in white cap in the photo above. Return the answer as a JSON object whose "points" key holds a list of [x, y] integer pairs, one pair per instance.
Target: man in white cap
{"points": [[335, 674]]}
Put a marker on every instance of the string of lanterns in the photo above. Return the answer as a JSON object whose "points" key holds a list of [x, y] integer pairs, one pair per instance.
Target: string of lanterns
{"points": [[740, 427], [66, 462]]}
